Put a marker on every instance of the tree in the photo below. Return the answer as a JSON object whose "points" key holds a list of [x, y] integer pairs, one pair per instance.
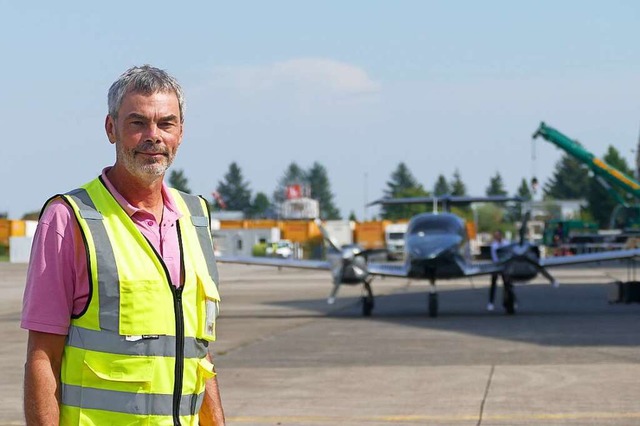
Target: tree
{"points": [[441, 187], [401, 179], [637, 174], [260, 206], [601, 202], [34, 215], [321, 190], [496, 186], [293, 175], [490, 218], [403, 185], [570, 180], [514, 212], [406, 211], [523, 190], [457, 186], [179, 181], [352, 216], [234, 190]]}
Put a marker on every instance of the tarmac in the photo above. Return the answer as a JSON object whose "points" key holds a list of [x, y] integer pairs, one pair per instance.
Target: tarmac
{"points": [[285, 357]]}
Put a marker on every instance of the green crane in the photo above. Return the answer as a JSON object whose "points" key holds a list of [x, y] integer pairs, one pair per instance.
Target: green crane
{"points": [[624, 216]]}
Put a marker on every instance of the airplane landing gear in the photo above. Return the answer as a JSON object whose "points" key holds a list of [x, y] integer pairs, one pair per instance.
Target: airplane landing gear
{"points": [[367, 300], [433, 300]]}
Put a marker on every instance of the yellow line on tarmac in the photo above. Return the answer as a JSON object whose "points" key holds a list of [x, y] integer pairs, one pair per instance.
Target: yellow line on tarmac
{"points": [[571, 416], [434, 418]]}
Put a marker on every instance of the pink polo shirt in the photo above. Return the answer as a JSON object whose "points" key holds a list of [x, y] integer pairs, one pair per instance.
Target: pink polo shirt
{"points": [[57, 281]]}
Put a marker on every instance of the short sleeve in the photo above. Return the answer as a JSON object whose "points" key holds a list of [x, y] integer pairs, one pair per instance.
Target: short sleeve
{"points": [[57, 284]]}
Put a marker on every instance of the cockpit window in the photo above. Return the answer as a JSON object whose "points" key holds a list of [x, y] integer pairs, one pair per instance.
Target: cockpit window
{"points": [[433, 224]]}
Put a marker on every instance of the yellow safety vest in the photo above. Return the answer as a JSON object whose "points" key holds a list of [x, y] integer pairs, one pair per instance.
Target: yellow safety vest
{"points": [[137, 354]]}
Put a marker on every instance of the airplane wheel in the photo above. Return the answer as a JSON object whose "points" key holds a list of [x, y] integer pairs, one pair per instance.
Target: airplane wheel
{"points": [[367, 306], [433, 305]]}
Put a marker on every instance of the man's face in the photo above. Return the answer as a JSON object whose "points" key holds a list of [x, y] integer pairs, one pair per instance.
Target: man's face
{"points": [[147, 133]]}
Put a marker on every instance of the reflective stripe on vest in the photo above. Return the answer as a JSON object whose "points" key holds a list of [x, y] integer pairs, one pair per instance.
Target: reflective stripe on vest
{"points": [[104, 370], [154, 346], [201, 224], [128, 402], [105, 260]]}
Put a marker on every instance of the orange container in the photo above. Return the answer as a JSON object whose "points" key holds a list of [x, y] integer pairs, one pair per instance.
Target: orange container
{"points": [[300, 231], [295, 231], [261, 224], [370, 235], [5, 231], [471, 230], [233, 224], [11, 228]]}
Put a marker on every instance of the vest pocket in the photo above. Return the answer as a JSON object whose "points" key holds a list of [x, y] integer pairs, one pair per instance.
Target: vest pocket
{"points": [[118, 372], [205, 372], [145, 308], [208, 308], [115, 390]]}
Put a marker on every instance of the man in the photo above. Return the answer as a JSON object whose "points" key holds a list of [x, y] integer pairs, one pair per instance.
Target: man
{"points": [[497, 243], [121, 295]]}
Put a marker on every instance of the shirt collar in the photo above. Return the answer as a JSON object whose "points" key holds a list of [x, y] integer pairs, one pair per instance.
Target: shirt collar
{"points": [[171, 211]]}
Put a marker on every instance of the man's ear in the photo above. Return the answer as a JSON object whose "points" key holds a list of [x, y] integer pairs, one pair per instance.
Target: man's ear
{"points": [[110, 128]]}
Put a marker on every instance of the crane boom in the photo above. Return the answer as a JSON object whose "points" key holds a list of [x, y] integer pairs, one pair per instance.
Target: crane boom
{"points": [[611, 175], [623, 216]]}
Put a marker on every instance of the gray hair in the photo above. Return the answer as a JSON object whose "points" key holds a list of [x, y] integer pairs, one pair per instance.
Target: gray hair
{"points": [[146, 80]]}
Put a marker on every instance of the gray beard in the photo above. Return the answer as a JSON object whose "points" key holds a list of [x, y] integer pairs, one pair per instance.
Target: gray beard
{"points": [[147, 171]]}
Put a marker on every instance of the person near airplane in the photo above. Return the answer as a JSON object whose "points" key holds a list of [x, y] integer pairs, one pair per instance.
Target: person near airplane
{"points": [[498, 242]]}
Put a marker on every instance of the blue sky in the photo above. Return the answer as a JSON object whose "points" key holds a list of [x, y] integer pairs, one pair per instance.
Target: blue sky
{"points": [[357, 85]]}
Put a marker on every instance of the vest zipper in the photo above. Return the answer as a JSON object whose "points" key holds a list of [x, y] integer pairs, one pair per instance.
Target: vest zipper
{"points": [[179, 370], [179, 317]]}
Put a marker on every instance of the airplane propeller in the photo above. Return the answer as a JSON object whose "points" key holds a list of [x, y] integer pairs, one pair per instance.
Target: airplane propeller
{"points": [[350, 268], [326, 236], [527, 253]]}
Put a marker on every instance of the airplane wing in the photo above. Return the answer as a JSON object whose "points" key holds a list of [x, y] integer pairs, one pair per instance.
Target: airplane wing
{"points": [[482, 269], [578, 259], [447, 199], [380, 269], [401, 270], [274, 261], [550, 262], [388, 269]]}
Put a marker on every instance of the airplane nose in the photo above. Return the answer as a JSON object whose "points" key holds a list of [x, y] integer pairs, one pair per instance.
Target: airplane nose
{"points": [[431, 246]]}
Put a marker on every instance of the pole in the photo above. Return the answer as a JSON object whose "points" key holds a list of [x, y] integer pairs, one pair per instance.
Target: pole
{"points": [[364, 211]]}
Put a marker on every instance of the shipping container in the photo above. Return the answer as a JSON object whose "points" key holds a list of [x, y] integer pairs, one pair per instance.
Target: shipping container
{"points": [[262, 223], [11, 228], [370, 235], [233, 224], [300, 231]]}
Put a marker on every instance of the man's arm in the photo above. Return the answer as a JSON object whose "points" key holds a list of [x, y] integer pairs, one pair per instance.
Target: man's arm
{"points": [[211, 413], [42, 378], [494, 252]]}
